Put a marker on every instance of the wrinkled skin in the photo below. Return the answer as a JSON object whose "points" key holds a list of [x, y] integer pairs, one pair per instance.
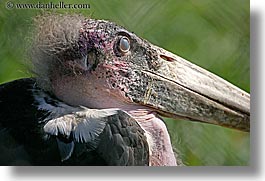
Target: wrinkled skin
{"points": [[107, 71]]}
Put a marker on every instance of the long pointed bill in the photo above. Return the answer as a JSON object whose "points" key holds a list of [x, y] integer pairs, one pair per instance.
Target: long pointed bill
{"points": [[180, 89]]}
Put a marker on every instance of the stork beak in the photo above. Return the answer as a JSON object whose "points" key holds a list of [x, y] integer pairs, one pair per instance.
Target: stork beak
{"points": [[180, 89]]}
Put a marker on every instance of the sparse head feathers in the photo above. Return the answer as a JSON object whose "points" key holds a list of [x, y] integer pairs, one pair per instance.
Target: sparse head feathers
{"points": [[54, 36]]}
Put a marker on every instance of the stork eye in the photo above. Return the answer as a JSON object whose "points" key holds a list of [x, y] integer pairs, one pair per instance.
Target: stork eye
{"points": [[124, 44]]}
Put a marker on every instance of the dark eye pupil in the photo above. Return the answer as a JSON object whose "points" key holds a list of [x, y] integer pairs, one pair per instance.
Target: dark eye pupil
{"points": [[124, 44]]}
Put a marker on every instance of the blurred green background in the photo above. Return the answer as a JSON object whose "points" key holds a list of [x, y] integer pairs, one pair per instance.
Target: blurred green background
{"points": [[213, 34]]}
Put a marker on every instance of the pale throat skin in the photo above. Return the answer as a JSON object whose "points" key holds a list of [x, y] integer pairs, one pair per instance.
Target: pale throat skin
{"points": [[90, 92], [161, 151]]}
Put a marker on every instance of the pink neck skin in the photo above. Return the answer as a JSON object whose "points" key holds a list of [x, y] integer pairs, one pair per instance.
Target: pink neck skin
{"points": [[161, 150]]}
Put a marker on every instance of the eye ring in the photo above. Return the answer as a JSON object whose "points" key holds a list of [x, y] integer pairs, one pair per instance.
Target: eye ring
{"points": [[124, 44]]}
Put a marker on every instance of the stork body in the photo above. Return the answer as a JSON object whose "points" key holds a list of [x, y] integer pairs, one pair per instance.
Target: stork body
{"points": [[98, 94]]}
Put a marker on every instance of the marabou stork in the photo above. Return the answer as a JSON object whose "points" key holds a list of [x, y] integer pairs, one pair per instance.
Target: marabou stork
{"points": [[98, 94]]}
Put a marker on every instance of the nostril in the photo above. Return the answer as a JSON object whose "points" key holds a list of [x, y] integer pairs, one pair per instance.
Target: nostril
{"points": [[170, 59]]}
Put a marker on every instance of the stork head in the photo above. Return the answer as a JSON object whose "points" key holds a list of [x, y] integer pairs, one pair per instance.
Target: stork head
{"points": [[98, 64]]}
